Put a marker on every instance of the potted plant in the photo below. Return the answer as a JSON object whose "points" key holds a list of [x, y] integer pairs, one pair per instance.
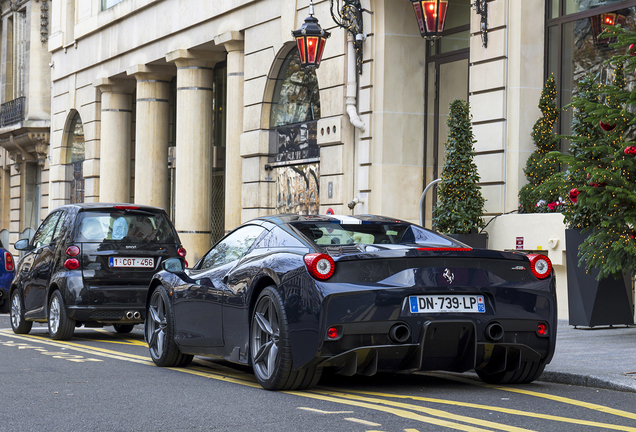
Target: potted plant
{"points": [[460, 204], [545, 190], [600, 244]]}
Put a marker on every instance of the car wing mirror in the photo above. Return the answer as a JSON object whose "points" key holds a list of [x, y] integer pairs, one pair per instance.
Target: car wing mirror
{"points": [[22, 245], [174, 265]]}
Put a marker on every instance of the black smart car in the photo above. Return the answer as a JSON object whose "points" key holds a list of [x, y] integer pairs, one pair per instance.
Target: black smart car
{"points": [[90, 264]]}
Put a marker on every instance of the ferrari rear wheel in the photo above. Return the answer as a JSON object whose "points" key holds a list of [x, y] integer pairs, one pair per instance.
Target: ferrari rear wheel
{"points": [[159, 331], [18, 323], [528, 372], [270, 347]]}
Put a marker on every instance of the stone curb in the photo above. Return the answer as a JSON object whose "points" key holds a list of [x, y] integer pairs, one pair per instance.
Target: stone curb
{"points": [[629, 385]]}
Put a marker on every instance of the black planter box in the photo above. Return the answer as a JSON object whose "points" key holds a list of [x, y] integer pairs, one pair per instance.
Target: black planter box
{"points": [[474, 240], [591, 302]]}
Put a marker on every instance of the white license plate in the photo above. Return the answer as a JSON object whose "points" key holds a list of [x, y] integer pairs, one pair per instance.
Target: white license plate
{"points": [[131, 262], [447, 303]]}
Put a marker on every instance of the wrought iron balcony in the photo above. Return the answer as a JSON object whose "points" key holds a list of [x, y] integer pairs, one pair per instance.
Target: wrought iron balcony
{"points": [[12, 112]]}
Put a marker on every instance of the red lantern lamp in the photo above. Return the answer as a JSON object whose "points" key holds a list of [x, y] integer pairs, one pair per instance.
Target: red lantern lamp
{"points": [[431, 16], [310, 40]]}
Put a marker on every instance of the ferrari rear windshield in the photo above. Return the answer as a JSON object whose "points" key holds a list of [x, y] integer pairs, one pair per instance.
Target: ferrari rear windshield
{"points": [[124, 226], [333, 233]]}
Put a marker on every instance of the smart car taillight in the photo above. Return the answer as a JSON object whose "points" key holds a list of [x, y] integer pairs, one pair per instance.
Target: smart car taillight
{"points": [[8, 261], [321, 266], [182, 252], [72, 251], [540, 265], [71, 264]]}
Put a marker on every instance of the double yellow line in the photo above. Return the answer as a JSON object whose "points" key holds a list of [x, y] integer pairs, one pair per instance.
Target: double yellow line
{"points": [[376, 401]]}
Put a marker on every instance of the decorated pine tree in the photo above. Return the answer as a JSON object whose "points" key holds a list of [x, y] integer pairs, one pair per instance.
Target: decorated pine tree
{"points": [[460, 204], [545, 189], [605, 165]]}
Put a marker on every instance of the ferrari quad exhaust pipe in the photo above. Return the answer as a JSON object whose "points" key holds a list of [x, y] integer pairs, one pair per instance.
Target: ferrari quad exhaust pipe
{"points": [[400, 333], [137, 315], [130, 315], [494, 332]]}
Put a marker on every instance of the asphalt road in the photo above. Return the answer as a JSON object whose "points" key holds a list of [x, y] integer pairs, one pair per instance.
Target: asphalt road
{"points": [[101, 381]]}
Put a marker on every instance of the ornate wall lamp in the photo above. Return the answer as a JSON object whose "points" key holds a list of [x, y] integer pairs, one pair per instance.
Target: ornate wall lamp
{"points": [[349, 17], [431, 17], [310, 40], [482, 10]]}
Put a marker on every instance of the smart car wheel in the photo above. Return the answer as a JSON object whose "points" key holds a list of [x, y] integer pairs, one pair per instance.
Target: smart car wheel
{"points": [[61, 326], [123, 328], [18, 323], [270, 347], [159, 331]]}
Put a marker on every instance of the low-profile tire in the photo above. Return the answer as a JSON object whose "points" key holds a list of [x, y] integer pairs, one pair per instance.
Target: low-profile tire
{"points": [[270, 347], [61, 326], [123, 328], [18, 323], [159, 331], [528, 372]]}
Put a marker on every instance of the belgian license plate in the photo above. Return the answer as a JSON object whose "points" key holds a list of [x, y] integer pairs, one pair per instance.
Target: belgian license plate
{"points": [[131, 262], [447, 303]]}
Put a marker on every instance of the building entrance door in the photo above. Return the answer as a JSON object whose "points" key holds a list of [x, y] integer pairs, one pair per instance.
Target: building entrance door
{"points": [[447, 80]]}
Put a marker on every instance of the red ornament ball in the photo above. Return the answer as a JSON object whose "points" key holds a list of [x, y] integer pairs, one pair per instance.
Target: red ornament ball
{"points": [[574, 193], [607, 127], [631, 150], [632, 49]]}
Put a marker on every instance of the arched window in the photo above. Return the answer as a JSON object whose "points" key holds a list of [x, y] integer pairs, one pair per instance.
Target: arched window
{"points": [[296, 96], [75, 155], [294, 150]]}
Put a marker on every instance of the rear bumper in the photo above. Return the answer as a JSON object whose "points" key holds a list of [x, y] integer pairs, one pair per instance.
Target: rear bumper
{"points": [[449, 345], [108, 315]]}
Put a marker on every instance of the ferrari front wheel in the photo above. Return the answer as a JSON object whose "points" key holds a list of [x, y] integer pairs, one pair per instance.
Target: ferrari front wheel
{"points": [[159, 332], [270, 347]]}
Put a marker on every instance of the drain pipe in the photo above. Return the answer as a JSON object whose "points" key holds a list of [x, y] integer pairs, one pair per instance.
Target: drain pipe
{"points": [[352, 85]]}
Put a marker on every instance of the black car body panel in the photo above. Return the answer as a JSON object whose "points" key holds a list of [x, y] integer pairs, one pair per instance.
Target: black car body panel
{"points": [[369, 299], [95, 293]]}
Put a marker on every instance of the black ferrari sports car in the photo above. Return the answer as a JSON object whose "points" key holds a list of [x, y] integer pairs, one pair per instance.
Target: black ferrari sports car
{"points": [[292, 295]]}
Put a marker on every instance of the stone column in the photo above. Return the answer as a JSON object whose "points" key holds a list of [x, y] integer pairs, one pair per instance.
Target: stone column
{"points": [[233, 42], [194, 140], [116, 136], [152, 137]]}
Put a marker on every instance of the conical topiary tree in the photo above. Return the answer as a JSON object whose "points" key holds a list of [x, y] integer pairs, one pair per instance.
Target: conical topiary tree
{"points": [[607, 168], [460, 204], [545, 189]]}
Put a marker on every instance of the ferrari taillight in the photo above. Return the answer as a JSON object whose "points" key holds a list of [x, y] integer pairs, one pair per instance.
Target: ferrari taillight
{"points": [[540, 265], [321, 266], [8, 261]]}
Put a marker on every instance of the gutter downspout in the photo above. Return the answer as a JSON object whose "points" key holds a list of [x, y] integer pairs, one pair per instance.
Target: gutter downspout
{"points": [[352, 86]]}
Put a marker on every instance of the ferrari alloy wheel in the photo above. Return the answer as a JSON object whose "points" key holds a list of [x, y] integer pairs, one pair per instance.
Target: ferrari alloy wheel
{"points": [[123, 328], [270, 347], [159, 330], [18, 323], [61, 327]]}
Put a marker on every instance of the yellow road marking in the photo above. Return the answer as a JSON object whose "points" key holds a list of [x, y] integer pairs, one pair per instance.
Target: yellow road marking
{"points": [[499, 409], [411, 430], [429, 411], [588, 405], [364, 422], [324, 412], [326, 396]]}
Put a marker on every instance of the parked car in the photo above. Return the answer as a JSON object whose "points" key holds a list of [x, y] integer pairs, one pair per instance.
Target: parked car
{"points": [[291, 295], [7, 273], [90, 264]]}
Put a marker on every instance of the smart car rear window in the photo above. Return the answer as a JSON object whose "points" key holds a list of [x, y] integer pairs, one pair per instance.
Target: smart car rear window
{"points": [[124, 226]]}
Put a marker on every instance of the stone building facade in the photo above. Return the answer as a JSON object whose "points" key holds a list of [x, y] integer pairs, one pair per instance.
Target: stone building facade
{"points": [[200, 107]]}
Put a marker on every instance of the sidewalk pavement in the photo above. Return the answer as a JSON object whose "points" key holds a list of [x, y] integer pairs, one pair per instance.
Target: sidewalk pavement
{"points": [[601, 357]]}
